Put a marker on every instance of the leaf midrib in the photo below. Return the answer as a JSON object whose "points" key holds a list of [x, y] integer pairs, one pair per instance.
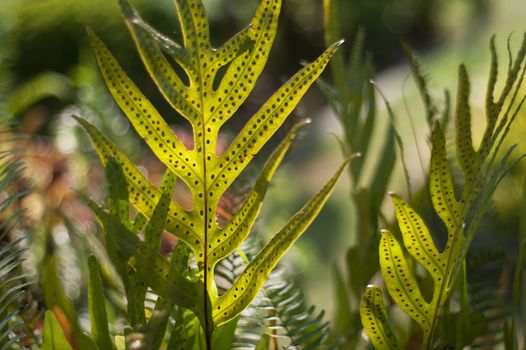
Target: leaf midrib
{"points": [[206, 278]]}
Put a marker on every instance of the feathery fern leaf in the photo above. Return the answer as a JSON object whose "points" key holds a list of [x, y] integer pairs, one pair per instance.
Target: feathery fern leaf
{"points": [[280, 314], [489, 300], [207, 174], [289, 318], [14, 284]]}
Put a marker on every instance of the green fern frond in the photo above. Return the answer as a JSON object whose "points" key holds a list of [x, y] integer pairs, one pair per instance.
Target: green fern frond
{"points": [[207, 104], [488, 300], [288, 317], [15, 296], [97, 307], [422, 84], [461, 213]]}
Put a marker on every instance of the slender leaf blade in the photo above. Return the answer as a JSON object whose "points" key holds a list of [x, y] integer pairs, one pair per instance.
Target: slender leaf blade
{"points": [[97, 307], [418, 240], [145, 118], [264, 124], [332, 34], [248, 284], [422, 84], [401, 283], [464, 143], [374, 320], [54, 338], [441, 185], [237, 230]]}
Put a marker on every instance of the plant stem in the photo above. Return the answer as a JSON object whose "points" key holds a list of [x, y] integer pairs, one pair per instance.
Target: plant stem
{"points": [[206, 277], [208, 337], [273, 340]]}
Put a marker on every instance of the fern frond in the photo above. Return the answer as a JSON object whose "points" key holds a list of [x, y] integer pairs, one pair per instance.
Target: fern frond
{"points": [[289, 319], [207, 103], [461, 214], [488, 297], [422, 84], [15, 285], [97, 307]]}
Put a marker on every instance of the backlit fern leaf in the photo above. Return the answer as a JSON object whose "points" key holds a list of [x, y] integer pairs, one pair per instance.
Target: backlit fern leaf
{"points": [[207, 105], [374, 320], [250, 326], [460, 213]]}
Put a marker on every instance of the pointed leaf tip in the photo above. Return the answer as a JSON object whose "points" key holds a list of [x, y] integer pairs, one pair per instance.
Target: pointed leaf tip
{"points": [[127, 10], [90, 32], [334, 47], [301, 124], [248, 284], [350, 158]]}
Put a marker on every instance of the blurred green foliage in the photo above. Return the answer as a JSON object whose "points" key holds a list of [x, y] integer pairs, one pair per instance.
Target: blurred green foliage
{"points": [[47, 73]]}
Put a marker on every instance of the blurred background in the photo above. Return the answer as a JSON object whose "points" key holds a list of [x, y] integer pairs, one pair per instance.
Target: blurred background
{"points": [[48, 73]]}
